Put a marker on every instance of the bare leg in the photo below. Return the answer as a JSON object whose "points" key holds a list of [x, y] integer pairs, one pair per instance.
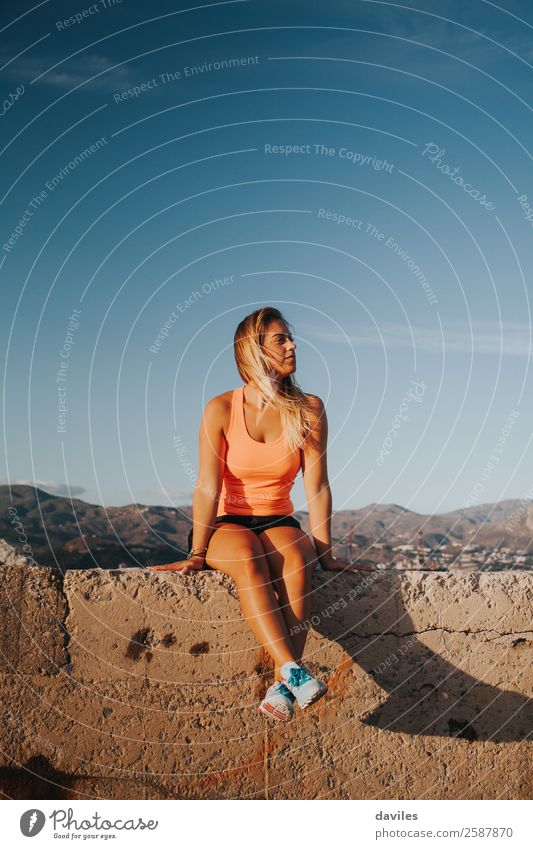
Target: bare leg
{"points": [[237, 551], [292, 559]]}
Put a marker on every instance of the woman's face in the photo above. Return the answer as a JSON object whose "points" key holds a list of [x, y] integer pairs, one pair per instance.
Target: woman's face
{"points": [[279, 346]]}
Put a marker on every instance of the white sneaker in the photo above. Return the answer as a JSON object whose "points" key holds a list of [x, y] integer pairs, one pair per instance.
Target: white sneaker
{"points": [[278, 702], [301, 683]]}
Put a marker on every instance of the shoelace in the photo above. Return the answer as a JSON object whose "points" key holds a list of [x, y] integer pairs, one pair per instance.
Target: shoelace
{"points": [[279, 687], [298, 676]]}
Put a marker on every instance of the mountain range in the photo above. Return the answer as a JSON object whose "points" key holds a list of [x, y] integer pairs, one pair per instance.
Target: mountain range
{"points": [[74, 534]]}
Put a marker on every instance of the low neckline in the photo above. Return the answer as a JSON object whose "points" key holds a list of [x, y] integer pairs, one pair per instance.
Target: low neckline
{"points": [[256, 441]]}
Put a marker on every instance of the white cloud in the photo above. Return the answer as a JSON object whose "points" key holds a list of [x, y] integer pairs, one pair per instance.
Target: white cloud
{"points": [[487, 337], [52, 487], [72, 72]]}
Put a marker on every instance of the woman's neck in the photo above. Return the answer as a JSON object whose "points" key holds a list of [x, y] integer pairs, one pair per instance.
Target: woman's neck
{"points": [[255, 395]]}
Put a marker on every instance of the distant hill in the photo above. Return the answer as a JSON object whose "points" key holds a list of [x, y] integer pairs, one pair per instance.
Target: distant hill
{"points": [[75, 534], [507, 523]]}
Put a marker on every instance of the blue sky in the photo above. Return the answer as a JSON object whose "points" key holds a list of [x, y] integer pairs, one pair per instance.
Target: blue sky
{"points": [[362, 166]]}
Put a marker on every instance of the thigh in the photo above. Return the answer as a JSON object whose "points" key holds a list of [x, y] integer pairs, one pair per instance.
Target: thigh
{"points": [[288, 550], [231, 546]]}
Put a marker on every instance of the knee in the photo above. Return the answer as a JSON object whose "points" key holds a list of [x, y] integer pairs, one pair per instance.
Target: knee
{"points": [[301, 565], [253, 568], [298, 571]]}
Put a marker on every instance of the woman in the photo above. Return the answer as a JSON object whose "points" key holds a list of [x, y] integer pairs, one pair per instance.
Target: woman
{"points": [[252, 442]]}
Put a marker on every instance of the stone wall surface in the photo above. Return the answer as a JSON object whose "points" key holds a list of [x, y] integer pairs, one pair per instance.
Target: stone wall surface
{"points": [[134, 684]]}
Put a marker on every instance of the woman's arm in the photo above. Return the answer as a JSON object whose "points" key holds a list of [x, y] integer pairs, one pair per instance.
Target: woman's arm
{"points": [[211, 453], [316, 483], [318, 492]]}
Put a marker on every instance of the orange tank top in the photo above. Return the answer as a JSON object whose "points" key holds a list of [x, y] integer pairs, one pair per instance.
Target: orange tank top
{"points": [[258, 476]]}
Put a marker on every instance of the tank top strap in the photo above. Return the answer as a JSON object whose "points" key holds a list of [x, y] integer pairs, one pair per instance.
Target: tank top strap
{"points": [[233, 419]]}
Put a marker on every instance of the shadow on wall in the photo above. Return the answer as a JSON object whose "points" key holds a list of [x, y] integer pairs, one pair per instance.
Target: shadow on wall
{"points": [[426, 694], [37, 778]]}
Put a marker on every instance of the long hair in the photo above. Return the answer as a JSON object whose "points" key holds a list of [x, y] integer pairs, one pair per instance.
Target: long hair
{"points": [[254, 367]]}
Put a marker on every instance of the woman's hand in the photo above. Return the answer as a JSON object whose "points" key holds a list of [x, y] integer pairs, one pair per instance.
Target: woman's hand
{"points": [[194, 564], [333, 564]]}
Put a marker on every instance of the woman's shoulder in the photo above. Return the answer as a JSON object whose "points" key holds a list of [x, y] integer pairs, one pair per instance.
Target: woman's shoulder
{"points": [[316, 403], [221, 401], [218, 408], [313, 398]]}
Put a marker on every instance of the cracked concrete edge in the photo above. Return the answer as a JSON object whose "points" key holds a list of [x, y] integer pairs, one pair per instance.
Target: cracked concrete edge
{"points": [[33, 605], [437, 629], [90, 602]]}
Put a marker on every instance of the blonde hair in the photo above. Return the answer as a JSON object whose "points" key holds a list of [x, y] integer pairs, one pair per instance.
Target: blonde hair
{"points": [[253, 365]]}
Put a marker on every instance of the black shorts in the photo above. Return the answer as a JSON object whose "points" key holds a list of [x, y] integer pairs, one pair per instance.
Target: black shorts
{"points": [[254, 523]]}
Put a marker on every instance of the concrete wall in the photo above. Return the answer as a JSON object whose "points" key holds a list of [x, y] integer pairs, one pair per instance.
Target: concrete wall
{"points": [[145, 685]]}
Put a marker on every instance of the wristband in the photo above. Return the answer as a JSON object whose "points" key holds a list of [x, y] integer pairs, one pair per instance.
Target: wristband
{"points": [[201, 553]]}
